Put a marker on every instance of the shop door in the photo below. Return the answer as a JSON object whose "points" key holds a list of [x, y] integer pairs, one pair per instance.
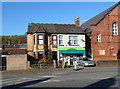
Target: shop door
{"points": [[54, 55]]}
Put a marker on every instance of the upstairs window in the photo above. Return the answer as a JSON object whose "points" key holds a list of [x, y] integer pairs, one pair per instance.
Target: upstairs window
{"points": [[114, 29], [73, 40], [54, 40], [98, 37], [60, 39], [40, 39]]}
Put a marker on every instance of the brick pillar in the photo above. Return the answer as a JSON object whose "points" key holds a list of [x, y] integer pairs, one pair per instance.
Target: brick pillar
{"points": [[43, 54], [44, 46], [36, 46]]}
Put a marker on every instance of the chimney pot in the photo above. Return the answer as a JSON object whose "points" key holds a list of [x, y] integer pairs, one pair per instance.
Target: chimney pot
{"points": [[77, 21]]}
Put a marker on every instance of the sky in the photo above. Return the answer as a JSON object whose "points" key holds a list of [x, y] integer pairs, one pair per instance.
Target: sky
{"points": [[17, 15]]}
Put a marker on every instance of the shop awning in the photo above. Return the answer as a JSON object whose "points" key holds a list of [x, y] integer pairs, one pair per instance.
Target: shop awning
{"points": [[71, 51]]}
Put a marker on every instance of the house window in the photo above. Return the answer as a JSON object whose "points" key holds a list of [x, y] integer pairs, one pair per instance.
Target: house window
{"points": [[54, 39], [60, 39], [73, 40], [40, 39], [114, 29], [98, 37], [40, 54]]}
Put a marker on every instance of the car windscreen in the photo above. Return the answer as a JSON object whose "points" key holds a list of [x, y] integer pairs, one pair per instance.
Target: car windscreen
{"points": [[85, 59]]}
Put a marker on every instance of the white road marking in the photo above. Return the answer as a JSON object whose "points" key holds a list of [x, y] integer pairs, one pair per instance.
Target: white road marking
{"points": [[13, 80], [56, 73], [6, 79], [24, 79], [50, 81], [50, 76], [7, 82], [102, 78]]}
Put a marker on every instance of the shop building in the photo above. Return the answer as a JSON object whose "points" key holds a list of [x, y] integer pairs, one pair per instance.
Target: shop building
{"points": [[60, 39]]}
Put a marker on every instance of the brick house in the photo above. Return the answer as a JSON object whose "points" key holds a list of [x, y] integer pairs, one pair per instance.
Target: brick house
{"points": [[104, 34], [59, 39]]}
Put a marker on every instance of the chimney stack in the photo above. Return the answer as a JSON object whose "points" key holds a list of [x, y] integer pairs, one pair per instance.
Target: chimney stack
{"points": [[77, 21]]}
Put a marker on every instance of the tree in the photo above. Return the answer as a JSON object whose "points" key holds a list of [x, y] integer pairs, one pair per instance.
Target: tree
{"points": [[16, 39], [49, 57]]}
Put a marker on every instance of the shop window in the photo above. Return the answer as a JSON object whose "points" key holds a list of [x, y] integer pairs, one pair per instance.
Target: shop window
{"points": [[54, 40], [114, 29], [40, 39], [98, 37], [73, 40], [60, 39]]}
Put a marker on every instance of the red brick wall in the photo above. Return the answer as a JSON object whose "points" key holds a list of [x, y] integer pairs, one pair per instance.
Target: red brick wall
{"points": [[110, 43]]}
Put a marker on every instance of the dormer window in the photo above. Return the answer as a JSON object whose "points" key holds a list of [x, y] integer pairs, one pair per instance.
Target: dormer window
{"points": [[114, 29], [98, 37]]}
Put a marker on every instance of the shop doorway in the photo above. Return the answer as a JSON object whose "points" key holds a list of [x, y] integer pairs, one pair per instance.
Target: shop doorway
{"points": [[54, 55]]}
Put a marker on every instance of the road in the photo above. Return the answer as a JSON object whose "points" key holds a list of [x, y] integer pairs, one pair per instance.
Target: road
{"points": [[100, 77]]}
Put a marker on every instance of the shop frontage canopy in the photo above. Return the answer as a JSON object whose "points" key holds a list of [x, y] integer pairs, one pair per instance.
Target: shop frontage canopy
{"points": [[71, 50]]}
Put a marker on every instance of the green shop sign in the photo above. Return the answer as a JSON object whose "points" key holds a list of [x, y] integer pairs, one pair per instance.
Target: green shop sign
{"points": [[71, 48]]}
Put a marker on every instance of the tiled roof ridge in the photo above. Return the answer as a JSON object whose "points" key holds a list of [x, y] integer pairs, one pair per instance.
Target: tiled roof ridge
{"points": [[96, 19], [112, 7], [50, 24]]}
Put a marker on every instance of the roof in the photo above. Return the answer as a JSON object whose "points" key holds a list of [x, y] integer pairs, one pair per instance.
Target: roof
{"points": [[11, 51], [54, 28], [95, 20], [4, 46]]}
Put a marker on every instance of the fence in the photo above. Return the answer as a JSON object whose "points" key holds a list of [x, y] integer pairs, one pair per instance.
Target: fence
{"points": [[35, 64]]}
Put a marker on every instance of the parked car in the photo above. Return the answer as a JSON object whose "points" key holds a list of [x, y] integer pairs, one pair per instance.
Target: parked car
{"points": [[85, 62]]}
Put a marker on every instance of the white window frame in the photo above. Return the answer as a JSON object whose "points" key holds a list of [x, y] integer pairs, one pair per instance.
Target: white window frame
{"points": [[114, 29], [73, 41], [54, 39], [61, 39], [40, 39], [98, 37]]}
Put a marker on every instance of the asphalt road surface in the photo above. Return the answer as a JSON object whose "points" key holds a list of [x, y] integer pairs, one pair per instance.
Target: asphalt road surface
{"points": [[83, 78]]}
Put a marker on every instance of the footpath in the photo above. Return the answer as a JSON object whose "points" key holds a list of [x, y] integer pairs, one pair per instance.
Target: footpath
{"points": [[58, 70], [36, 71]]}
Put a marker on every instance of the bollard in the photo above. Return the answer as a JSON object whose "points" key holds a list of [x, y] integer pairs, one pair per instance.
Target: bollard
{"points": [[54, 63], [63, 64]]}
